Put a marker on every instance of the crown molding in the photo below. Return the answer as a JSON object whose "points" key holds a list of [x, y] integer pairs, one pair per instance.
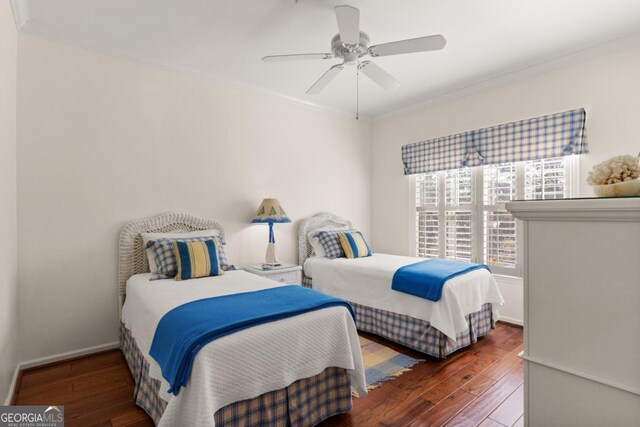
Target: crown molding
{"points": [[20, 13], [59, 35], [49, 32], [603, 49]]}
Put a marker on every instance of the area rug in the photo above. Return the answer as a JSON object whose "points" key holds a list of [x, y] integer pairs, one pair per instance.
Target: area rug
{"points": [[382, 364]]}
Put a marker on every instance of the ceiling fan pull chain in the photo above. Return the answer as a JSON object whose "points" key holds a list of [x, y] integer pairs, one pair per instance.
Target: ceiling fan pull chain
{"points": [[358, 91]]}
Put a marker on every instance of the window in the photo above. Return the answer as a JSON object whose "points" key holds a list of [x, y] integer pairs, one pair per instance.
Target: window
{"points": [[461, 215]]}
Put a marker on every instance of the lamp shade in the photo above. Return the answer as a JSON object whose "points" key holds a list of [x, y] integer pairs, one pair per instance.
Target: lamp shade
{"points": [[270, 212]]}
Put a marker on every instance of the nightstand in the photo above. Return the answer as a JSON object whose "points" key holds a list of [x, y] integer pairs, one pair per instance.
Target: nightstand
{"points": [[285, 273]]}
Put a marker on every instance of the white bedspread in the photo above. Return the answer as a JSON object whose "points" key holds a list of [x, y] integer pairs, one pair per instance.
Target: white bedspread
{"points": [[248, 363], [367, 281]]}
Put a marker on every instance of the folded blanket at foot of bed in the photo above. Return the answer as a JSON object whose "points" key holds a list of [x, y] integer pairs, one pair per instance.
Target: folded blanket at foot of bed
{"points": [[183, 331], [425, 279]]}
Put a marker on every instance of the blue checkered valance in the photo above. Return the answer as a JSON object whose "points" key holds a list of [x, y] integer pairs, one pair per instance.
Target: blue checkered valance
{"points": [[555, 135]]}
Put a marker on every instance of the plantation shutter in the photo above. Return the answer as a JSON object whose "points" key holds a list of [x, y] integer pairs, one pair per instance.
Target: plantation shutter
{"points": [[500, 248], [458, 209], [545, 179], [427, 224]]}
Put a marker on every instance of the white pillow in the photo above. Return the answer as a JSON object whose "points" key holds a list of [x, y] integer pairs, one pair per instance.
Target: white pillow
{"points": [[314, 241], [146, 237]]}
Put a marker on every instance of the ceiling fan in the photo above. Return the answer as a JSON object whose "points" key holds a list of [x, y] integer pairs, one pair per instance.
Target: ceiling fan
{"points": [[351, 45]]}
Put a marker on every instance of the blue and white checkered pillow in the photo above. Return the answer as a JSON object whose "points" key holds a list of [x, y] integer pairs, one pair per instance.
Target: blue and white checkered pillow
{"points": [[168, 264], [331, 243]]}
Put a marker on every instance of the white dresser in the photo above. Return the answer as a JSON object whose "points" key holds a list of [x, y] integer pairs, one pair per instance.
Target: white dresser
{"points": [[581, 311]]}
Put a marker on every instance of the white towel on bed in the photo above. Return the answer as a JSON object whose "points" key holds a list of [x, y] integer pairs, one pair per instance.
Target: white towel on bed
{"points": [[248, 363]]}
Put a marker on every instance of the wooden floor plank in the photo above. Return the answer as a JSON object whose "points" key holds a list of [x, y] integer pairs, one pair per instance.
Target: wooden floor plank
{"points": [[103, 414], [484, 360], [445, 410], [511, 409], [488, 401], [447, 370], [500, 369], [75, 382], [488, 422], [406, 411], [84, 406], [38, 377], [520, 422], [436, 394], [43, 391], [138, 418], [478, 385], [104, 360], [472, 385]]}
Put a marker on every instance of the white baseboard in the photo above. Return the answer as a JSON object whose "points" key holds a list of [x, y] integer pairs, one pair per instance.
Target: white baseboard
{"points": [[55, 358], [512, 289], [12, 387], [67, 355], [511, 320]]}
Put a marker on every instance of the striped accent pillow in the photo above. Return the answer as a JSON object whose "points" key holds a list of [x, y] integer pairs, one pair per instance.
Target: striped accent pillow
{"points": [[354, 245], [196, 259], [165, 259]]}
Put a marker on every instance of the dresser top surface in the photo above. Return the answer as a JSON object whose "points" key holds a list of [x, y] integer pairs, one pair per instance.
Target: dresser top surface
{"points": [[577, 198], [588, 208]]}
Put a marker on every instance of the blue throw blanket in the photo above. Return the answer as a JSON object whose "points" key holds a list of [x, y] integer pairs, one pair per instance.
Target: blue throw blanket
{"points": [[425, 279], [183, 331]]}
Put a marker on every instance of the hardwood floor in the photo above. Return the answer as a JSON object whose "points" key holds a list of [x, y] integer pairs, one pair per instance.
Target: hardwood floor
{"points": [[477, 386]]}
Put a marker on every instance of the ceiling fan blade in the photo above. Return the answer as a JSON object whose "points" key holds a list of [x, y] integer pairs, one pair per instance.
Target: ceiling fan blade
{"points": [[297, 57], [378, 75], [348, 24], [325, 79], [421, 44]]}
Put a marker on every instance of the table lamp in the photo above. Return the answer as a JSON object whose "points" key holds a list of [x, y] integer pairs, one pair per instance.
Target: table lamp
{"points": [[270, 212]]}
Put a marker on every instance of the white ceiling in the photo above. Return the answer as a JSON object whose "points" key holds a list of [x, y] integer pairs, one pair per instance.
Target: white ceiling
{"points": [[226, 39]]}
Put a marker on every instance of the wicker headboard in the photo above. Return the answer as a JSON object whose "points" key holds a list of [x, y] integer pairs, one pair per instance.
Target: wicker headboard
{"points": [[132, 259], [320, 220]]}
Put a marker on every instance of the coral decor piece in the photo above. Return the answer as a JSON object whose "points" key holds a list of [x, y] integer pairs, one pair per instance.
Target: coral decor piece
{"points": [[616, 169], [616, 177]]}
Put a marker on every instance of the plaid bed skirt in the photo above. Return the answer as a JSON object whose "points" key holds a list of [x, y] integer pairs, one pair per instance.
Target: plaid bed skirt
{"points": [[418, 334], [304, 403]]}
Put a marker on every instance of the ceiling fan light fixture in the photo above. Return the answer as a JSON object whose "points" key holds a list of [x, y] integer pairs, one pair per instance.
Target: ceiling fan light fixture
{"points": [[351, 44], [349, 53]]}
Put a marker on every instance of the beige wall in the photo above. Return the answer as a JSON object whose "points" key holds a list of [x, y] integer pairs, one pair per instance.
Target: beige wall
{"points": [[8, 200], [105, 140], [608, 87]]}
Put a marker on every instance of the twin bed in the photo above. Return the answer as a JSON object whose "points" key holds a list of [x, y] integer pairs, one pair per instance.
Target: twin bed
{"points": [[466, 311], [297, 370]]}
